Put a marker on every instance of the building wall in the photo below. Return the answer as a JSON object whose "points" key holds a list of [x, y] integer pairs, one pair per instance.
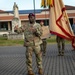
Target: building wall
{"points": [[44, 15]]}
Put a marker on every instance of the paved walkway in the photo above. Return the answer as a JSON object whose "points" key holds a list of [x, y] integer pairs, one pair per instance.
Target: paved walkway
{"points": [[12, 61]]}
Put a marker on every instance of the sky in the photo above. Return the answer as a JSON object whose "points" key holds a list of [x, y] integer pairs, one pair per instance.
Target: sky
{"points": [[27, 4]]}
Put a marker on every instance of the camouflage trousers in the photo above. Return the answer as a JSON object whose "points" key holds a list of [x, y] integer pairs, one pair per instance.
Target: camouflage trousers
{"points": [[38, 54], [43, 45], [61, 45]]}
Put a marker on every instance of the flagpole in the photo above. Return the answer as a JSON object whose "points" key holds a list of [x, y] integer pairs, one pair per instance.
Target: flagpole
{"points": [[45, 12], [34, 7]]}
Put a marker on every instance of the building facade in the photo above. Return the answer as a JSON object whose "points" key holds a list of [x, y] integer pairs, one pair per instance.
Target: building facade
{"points": [[6, 17]]}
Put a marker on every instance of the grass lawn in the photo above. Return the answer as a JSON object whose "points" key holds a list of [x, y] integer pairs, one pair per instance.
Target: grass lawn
{"points": [[52, 40], [5, 42]]}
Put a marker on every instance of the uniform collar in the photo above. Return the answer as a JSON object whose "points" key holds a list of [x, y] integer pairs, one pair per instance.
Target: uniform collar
{"points": [[33, 24]]}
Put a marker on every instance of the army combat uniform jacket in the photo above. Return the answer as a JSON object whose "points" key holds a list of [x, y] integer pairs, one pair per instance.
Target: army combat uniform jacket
{"points": [[30, 38]]}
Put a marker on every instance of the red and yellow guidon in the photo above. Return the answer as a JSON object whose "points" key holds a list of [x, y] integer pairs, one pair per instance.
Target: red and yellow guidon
{"points": [[47, 3]]}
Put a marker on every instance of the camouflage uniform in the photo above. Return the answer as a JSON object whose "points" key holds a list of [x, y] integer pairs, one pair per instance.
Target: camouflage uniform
{"points": [[32, 43], [44, 41], [43, 46], [61, 45]]}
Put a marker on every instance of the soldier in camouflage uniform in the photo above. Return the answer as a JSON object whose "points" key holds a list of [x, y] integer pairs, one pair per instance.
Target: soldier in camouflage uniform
{"points": [[61, 45], [43, 46], [32, 41], [44, 42]]}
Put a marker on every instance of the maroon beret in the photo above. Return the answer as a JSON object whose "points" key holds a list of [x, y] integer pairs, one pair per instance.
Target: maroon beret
{"points": [[31, 14]]}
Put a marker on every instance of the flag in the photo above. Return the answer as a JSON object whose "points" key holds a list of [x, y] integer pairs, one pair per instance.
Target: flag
{"points": [[59, 21], [45, 3]]}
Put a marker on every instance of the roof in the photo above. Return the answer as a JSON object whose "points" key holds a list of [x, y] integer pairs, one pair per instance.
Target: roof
{"points": [[70, 7], [40, 10], [2, 11], [27, 11], [67, 8]]}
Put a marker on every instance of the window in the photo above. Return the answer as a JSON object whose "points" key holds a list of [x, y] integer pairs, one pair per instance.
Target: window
{"points": [[3, 26]]}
